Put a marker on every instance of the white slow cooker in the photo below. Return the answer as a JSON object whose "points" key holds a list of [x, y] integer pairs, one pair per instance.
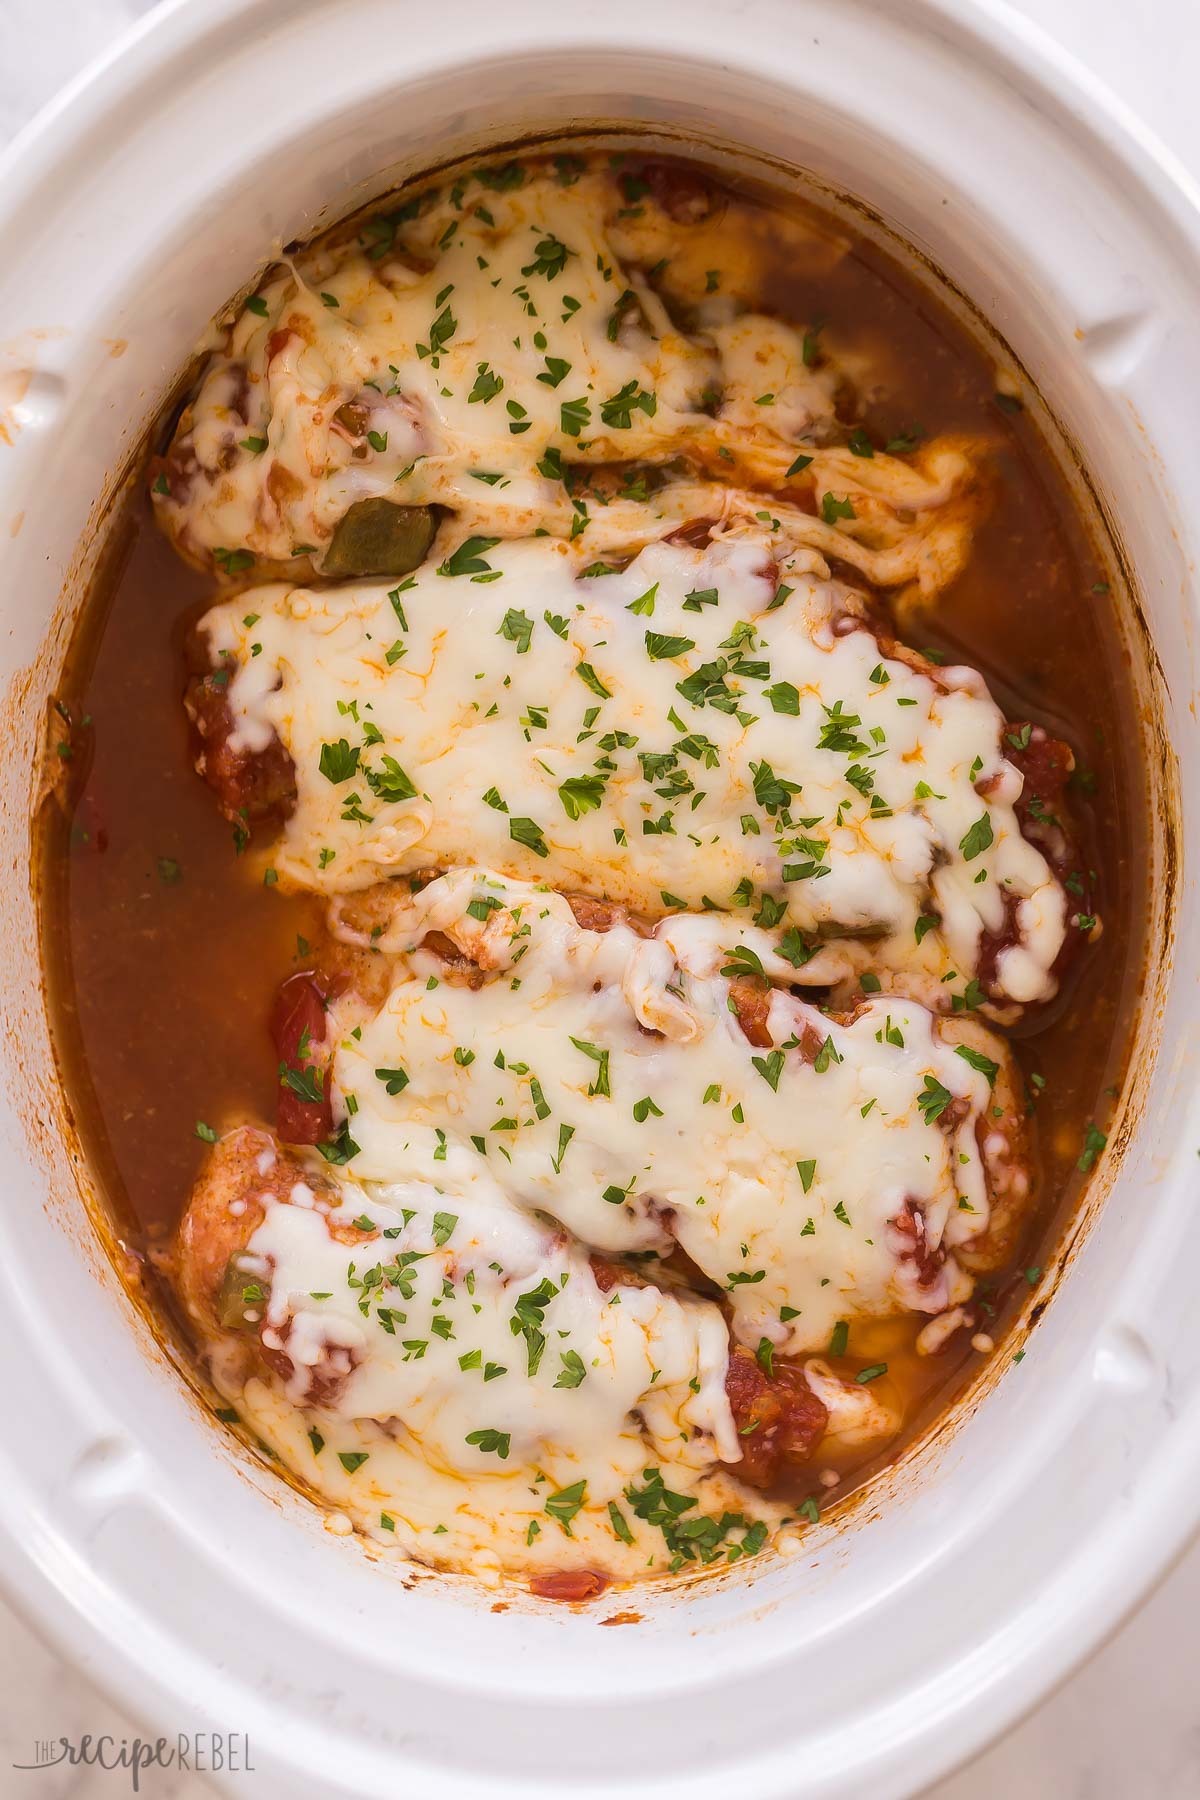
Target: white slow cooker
{"points": [[178, 1572]]}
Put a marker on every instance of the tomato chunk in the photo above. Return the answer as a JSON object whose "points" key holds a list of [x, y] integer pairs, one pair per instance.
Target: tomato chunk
{"points": [[303, 1112], [780, 1420], [569, 1584]]}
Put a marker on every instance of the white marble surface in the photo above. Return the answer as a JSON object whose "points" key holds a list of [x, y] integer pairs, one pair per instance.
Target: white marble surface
{"points": [[1128, 1724]]}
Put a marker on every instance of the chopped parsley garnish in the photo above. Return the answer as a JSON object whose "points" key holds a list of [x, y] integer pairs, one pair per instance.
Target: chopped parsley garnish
{"points": [[770, 1067], [394, 1080], [469, 558], [572, 1372], [979, 1061], [563, 1505], [491, 1443], [1093, 1143], [338, 762], [581, 794], [661, 647], [528, 1317], [573, 416], [833, 509], [549, 258], [977, 838], [390, 782], [517, 627], [307, 1084], [617, 411], [529, 833], [341, 1148], [487, 385], [565, 1134], [933, 1099], [590, 679], [620, 1523], [234, 561], [696, 1539], [599, 1086]]}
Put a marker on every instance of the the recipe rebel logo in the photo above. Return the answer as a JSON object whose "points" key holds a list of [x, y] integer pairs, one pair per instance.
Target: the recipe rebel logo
{"points": [[200, 1753]]}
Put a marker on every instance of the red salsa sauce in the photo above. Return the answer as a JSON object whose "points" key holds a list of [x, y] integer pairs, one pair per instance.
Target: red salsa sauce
{"points": [[165, 954]]}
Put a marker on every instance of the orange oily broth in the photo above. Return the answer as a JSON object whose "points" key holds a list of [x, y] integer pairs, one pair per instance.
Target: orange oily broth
{"points": [[166, 950]]}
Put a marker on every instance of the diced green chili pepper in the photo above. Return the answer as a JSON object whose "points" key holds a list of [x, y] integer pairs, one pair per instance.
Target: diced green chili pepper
{"points": [[377, 537]]}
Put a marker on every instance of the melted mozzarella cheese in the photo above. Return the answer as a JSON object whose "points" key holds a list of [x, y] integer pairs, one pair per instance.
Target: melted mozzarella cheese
{"points": [[680, 730], [447, 1286], [500, 1521], [479, 346], [561, 695], [791, 1179], [483, 1379]]}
